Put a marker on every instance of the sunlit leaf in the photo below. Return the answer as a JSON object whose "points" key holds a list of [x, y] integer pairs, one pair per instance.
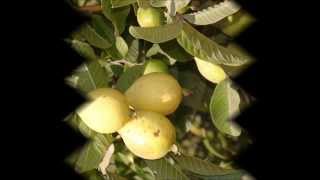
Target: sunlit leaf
{"points": [[204, 48], [157, 34], [224, 106], [164, 170], [213, 13]]}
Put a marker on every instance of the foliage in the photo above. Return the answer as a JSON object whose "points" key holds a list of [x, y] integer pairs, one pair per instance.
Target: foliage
{"points": [[116, 48]]}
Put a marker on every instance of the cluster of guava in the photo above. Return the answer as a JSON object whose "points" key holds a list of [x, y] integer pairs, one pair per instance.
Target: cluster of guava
{"points": [[138, 115]]}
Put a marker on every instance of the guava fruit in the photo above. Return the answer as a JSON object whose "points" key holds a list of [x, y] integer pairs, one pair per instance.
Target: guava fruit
{"points": [[106, 112], [148, 135], [155, 65], [158, 92], [150, 17]]}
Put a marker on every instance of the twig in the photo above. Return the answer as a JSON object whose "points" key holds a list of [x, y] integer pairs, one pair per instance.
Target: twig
{"points": [[91, 8]]}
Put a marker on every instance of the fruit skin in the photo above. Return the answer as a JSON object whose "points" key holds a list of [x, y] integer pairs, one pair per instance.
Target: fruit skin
{"points": [[107, 111], [155, 65], [149, 135], [150, 17], [158, 92]]}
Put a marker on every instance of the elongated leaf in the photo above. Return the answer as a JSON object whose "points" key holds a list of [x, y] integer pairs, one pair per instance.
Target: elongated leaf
{"points": [[93, 37], [117, 16], [210, 71], [224, 106], [89, 76], [200, 167], [133, 52], [103, 27], [164, 170], [90, 156], [172, 49], [172, 5], [128, 77], [156, 49], [120, 3], [75, 121], [84, 49], [204, 48], [122, 46], [213, 14], [93, 175], [157, 34], [235, 175]]}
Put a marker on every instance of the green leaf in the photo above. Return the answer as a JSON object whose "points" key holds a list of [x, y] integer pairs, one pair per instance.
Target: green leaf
{"points": [[120, 3], [90, 156], [200, 167], [164, 170], [172, 49], [224, 106], [75, 121], [155, 49], [204, 48], [172, 5], [93, 175], [157, 34], [121, 46], [198, 99], [93, 37], [91, 75], [103, 27], [117, 16], [84, 49], [115, 177], [213, 13], [133, 52], [128, 77], [212, 72], [143, 3], [235, 175]]}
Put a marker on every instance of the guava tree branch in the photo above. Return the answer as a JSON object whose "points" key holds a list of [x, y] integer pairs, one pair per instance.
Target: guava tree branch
{"points": [[91, 8]]}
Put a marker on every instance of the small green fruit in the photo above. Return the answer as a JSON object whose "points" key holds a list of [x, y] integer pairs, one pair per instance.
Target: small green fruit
{"points": [[155, 65], [158, 92], [148, 135], [150, 17], [107, 111]]}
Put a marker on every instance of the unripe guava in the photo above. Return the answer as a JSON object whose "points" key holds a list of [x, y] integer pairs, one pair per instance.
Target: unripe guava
{"points": [[155, 65], [158, 92], [149, 135], [107, 111], [150, 17]]}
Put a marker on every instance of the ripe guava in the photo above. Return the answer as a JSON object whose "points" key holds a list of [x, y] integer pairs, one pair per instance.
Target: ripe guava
{"points": [[150, 17], [155, 65], [106, 112], [149, 135], [158, 92]]}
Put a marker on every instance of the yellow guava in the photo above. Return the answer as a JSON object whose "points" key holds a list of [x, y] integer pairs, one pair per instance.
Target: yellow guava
{"points": [[106, 112], [158, 92], [149, 135]]}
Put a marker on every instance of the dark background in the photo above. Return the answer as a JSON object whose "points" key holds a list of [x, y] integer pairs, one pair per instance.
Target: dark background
{"points": [[41, 60]]}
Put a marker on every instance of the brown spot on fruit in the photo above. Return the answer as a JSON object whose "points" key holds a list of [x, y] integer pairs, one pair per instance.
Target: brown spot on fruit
{"points": [[156, 134]]}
